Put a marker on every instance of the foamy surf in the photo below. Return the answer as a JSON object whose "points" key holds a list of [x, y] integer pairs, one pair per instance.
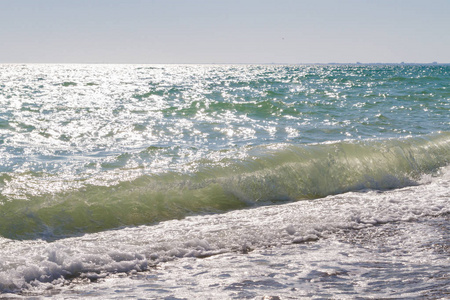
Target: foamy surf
{"points": [[37, 266]]}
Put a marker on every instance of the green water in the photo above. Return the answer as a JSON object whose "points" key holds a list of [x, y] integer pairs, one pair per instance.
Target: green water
{"points": [[86, 148]]}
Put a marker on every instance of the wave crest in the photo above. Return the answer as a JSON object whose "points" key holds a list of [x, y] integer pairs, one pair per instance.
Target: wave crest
{"points": [[274, 173]]}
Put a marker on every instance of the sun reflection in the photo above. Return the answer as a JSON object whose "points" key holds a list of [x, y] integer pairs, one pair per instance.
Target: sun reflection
{"points": [[72, 125]]}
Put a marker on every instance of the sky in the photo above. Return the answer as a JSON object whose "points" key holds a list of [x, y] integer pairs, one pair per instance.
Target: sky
{"points": [[224, 31]]}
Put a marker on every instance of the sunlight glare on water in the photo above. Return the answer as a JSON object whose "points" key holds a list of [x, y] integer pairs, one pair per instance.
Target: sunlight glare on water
{"points": [[64, 126]]}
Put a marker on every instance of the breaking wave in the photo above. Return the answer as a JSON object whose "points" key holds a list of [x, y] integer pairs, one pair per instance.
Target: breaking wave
{"points": [[274, 174]]}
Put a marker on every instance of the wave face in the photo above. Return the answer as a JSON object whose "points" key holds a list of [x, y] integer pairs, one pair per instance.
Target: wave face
{"points": [[273, 174], [86, 148]]}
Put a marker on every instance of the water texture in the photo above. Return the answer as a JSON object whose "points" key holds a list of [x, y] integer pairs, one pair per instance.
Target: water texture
{"points": [[90, 147], [120, 168]]}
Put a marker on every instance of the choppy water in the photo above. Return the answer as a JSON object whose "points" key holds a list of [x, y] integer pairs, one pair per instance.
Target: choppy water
{"points": [[85, 149]]}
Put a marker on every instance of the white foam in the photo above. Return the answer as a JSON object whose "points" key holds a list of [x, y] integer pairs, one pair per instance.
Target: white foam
{"points": [[38, 265]]}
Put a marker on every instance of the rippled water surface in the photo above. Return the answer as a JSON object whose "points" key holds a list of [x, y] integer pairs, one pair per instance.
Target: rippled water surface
{"points": [[322, 179], [81, 121]]}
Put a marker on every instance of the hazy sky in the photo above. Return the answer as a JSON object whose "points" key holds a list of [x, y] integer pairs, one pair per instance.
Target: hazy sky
{"points": [[225, 31]]}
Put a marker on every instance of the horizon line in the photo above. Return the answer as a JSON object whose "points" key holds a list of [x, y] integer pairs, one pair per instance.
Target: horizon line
{"points": [[226, 63]]}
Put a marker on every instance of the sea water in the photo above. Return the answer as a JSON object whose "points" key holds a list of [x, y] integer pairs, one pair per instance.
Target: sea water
{"points": [[224, 181]]}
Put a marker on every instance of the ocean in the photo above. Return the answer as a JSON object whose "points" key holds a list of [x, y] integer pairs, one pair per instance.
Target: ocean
{"points": [[224, 181]]}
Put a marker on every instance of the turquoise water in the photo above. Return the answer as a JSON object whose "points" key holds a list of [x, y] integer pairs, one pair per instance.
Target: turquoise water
{"points": [[86, 148]]}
